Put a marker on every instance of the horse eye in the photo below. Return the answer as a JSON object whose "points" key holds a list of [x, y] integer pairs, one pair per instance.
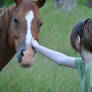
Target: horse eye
{"points": [[40, 24], [16, 21]]}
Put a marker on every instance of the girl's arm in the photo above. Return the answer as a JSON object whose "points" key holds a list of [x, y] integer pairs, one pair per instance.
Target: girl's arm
{"points": [[57, 57]]}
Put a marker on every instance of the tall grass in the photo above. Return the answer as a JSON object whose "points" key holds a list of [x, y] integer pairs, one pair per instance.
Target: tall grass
{"points": [[46, 76]]}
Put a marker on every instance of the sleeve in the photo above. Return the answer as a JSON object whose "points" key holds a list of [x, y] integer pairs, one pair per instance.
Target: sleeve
{"points": [[89, 76], [86, 84], [79, 64]]}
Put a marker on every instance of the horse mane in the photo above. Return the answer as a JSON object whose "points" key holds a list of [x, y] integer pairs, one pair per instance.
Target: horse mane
{"points": [[5, 18]]}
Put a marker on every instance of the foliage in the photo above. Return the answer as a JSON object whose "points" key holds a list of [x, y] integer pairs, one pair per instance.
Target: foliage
{"points": [[5, 2], [82, 1], [8, 2]]}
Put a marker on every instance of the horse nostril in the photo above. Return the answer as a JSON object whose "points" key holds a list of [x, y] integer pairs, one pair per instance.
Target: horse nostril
{"points": [[22, 52], [19, 59], [20, 55]]}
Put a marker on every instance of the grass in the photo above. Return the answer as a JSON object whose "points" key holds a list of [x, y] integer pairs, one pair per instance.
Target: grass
{"points": [[46, 76]]}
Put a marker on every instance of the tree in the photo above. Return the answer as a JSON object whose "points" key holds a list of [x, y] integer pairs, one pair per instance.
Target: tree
{"points": [[90, 3], [4, 3], [59, 3], [1, 2], [67, 4]]}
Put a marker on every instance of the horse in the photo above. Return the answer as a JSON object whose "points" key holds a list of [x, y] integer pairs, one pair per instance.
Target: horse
{"points": [[18, 24]]}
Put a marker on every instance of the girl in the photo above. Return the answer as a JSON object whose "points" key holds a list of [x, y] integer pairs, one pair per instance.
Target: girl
{"points": [[81, 41]]}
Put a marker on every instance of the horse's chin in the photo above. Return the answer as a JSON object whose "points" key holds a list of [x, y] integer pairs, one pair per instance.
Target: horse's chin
{"points": [[26, 66], [26, 57], [27, 63]]}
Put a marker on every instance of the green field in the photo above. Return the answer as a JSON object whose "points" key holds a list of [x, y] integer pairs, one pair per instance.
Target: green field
{"points": [[46, 76]]}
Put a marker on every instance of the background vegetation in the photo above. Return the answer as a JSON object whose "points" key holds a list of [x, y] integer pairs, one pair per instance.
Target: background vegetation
{"points": [[4, 3], [46, 76], [82, 1], [8, 2]]}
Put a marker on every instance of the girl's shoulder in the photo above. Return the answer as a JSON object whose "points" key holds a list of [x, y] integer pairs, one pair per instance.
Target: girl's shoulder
{"points": [[80, 64]]}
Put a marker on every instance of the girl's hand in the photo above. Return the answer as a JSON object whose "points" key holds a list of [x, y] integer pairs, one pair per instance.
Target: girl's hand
{"points": [[34, 43]]}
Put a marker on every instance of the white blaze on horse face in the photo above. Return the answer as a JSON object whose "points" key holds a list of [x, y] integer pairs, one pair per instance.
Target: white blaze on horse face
{"points": [[29, 17]]}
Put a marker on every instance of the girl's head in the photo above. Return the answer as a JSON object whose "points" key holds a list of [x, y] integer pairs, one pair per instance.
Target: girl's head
{"points": [[81, 36]]}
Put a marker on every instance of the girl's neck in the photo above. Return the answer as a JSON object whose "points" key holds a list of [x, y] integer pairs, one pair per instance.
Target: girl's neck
{"points": [[87, 56]]}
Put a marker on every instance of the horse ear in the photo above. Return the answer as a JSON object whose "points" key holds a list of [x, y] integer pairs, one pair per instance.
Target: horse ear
{"points": [[17, 2], [40, 3]]}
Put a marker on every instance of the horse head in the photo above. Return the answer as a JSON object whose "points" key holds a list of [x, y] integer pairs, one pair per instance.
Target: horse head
{"points": [[25, 24]]}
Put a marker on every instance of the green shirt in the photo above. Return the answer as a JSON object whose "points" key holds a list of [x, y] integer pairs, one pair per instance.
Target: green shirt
{"points": [[85, 74]]}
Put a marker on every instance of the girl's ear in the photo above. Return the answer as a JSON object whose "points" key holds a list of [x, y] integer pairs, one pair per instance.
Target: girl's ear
{"points": [[17, 2], [40, 3], [77, 42]]}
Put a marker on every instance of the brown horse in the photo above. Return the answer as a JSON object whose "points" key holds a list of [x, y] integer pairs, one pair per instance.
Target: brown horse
{"points": [[18, 24]]}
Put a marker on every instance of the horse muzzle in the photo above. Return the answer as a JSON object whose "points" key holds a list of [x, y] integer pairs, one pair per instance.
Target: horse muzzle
{"points": [[26, 57]]}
